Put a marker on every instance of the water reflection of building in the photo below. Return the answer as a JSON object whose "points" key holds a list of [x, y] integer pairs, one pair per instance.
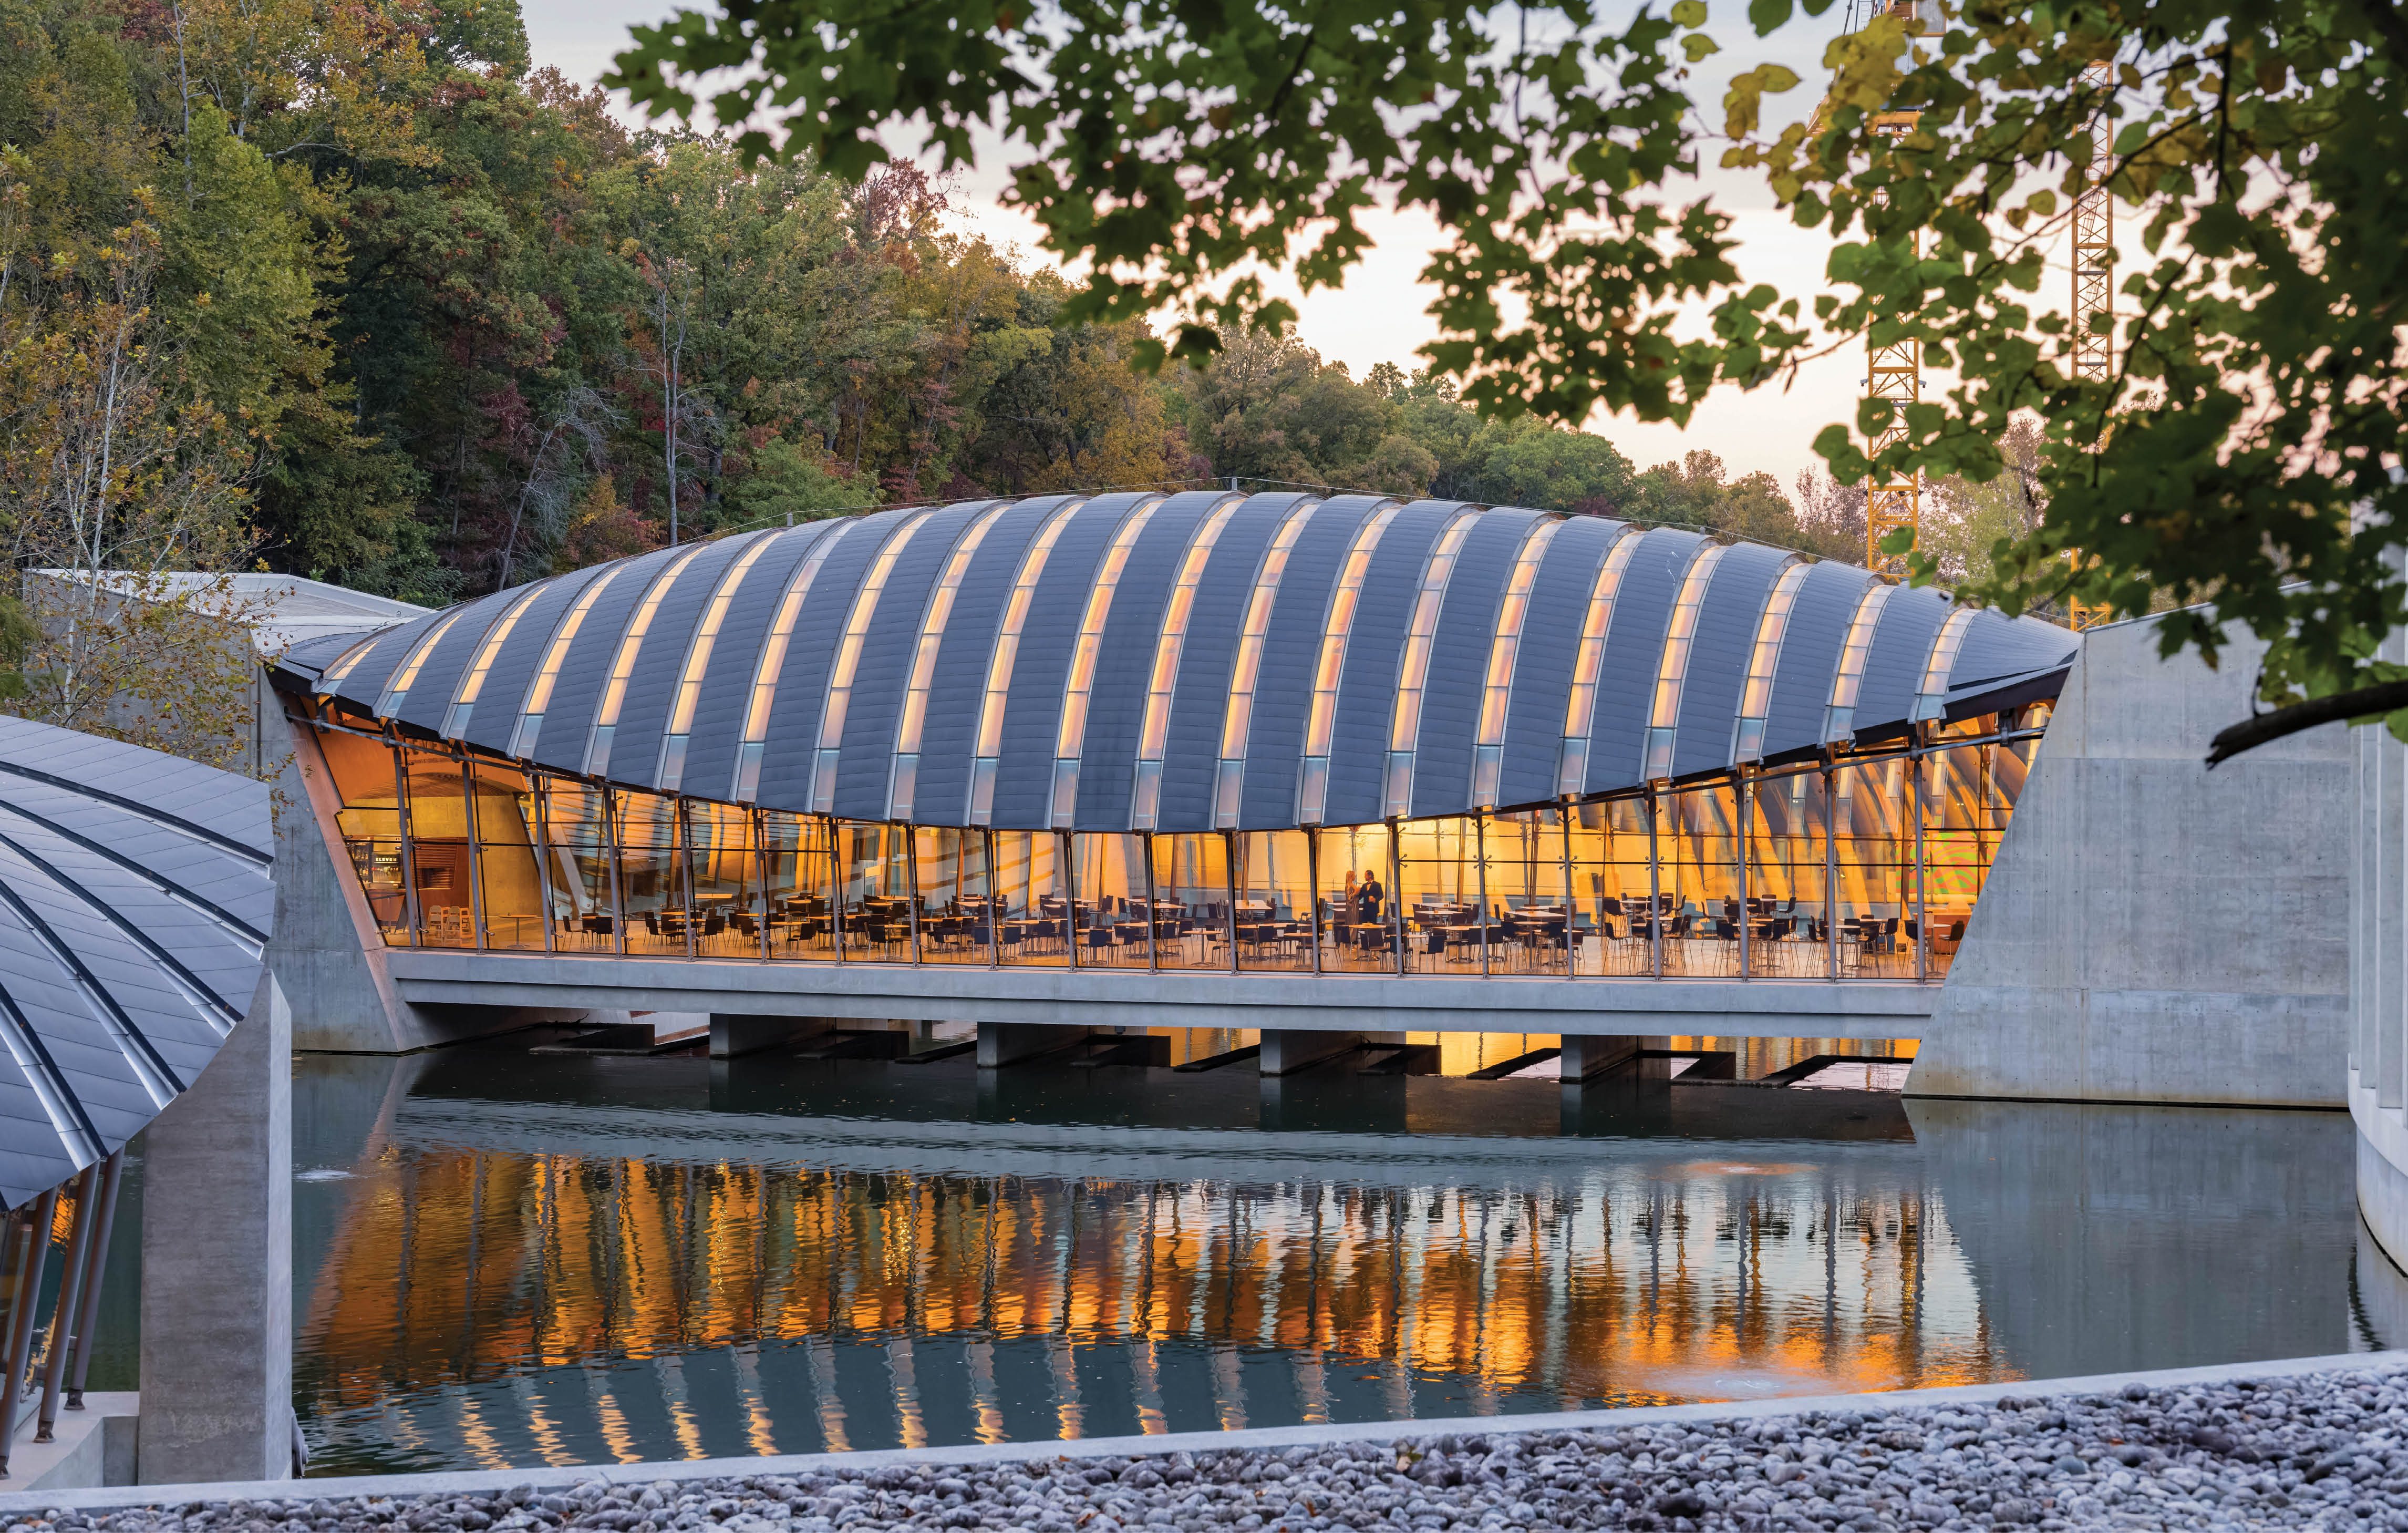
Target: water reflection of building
{"points": [[540, 1305]]}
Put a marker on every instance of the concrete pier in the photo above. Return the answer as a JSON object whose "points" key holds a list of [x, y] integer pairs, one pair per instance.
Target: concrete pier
{"points": [[1586, 1058], [1001, 1043], [733, 1034], [216, 1263], [1288, 1050]]}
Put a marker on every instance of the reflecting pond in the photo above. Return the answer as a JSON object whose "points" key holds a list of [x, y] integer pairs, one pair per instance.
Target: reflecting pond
{"points": [[504, 1259]]}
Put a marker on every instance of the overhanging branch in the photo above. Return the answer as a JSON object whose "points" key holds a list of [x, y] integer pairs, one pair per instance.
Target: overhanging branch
{"points": [[2250, 733]]}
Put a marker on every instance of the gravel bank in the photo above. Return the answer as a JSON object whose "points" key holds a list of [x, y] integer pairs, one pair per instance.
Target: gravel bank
{"points": [[2328, 1450]]}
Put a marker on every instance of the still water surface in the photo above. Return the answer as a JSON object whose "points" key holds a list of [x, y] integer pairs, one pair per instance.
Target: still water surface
{"points": [[503, 1259]]}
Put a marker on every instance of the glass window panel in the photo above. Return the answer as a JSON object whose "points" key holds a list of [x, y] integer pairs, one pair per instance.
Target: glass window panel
{"points": [[1787, 830], [1358, 907], [726, 872], [874, 894], [1529, 915], [369, 822], [795, 866], [1874, 853], [1191, 894], [439, 835], [652, 881], [1611, 889], [954, 896], [1032, 905], [1109, 879], [1968, 799], [1696, 838], [1274, 901], [510, 888], [1438, 890], [577, 838]]}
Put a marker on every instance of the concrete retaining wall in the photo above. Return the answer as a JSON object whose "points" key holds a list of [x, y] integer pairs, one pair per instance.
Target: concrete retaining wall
{"points": [[2153, 931]]}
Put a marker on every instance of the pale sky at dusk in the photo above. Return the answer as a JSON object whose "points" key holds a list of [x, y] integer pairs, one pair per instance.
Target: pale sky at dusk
{"points": [[1379, 315]]}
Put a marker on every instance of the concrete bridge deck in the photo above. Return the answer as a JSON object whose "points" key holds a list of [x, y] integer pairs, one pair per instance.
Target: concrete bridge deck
{"points": [[1101, 997]]}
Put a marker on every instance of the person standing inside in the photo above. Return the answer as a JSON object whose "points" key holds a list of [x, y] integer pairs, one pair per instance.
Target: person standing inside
{"points": [[1368, 899]]}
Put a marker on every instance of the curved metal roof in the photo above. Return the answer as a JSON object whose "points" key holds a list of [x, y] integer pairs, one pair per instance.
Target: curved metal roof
{"points": [[136, 901], [1183, 663]]}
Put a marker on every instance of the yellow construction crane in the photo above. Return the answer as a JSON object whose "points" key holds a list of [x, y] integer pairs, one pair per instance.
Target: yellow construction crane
{"points": [[2094, 289], [1895, 373]]}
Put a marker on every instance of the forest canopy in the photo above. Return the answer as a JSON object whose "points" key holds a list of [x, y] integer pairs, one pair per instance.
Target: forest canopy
{"points": [[352, 292]]}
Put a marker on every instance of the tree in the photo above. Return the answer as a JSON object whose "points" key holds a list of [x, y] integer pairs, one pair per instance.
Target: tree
{"points": [[2244, 455], [116, 484]]}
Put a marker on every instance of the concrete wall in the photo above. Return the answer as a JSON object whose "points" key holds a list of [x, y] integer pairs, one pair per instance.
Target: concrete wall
{"points": [[2377, 1045], [2153, 931], [216, 1263]]}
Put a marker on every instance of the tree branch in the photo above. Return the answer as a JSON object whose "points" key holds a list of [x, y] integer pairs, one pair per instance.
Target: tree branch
{"points": [[2250, 733]]}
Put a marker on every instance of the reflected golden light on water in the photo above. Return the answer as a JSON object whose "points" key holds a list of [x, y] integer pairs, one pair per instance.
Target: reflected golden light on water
{"points": [[552, 1308]]}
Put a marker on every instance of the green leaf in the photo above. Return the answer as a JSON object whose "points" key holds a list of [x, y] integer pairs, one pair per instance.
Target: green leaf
{"points": [[1690, 13]]}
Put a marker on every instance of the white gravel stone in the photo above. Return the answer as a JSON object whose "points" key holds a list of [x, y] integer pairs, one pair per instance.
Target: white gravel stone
{"points": [[2328, 1450]]}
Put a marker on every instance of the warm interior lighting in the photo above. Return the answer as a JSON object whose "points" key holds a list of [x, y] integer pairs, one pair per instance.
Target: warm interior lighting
{"points": [[1153, 732], [622, 664], [1838, 719], [1312, 785], [1071, 736], [1580, 709], [464, 697], [848, 661], [698, 658], [1237, 718], [904, 777], [538, 700], [1763, 662], [1497, 688], [1680, 636], [1007, 653], [1413, 669], [772, 662]]}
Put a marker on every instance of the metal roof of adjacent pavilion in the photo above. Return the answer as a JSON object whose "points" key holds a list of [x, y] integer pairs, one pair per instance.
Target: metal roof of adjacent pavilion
{"points": [[136, 903]]}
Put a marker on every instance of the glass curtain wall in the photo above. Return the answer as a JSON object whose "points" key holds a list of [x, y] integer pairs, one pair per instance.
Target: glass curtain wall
{"points": [[1788, 829], [798, 878], [1872, 854], [874, 892], [585, 890], [955, 897], [1868, 869], [651, 883], [509, 884], [370, 824], [1438, 886], [1970, 794], [1355, 869], [1697, 837], [1191, 892], [1613, 888], [1031, 898], [438, 839], [1275, 919], [722, 867], [1108, 877], [1525, 865]]}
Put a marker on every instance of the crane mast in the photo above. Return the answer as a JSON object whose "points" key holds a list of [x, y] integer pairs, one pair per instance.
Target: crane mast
{"points": [[1893, 373], [2094, 290]]}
